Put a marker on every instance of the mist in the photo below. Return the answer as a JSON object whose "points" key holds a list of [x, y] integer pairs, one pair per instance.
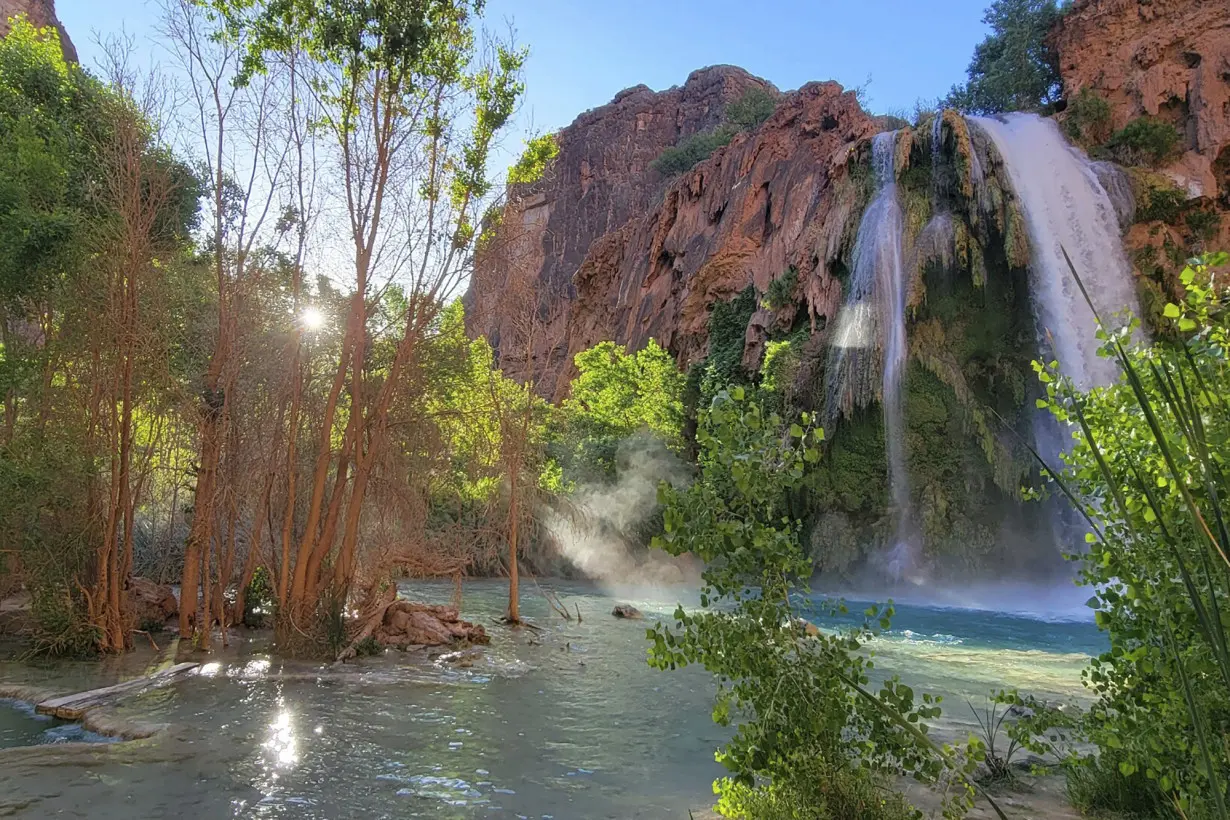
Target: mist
{"points": [[606, 538]]}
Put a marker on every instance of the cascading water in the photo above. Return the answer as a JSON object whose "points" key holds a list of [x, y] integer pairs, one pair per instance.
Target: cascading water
{"points": [[1065, 207], [873, 320]]}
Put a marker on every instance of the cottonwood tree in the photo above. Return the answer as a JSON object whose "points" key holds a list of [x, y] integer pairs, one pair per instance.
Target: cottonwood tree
{"points": [[243, 159], [408, 106]]}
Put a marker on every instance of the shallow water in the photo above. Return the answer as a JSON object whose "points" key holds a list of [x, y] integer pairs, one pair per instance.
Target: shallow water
{"points": [[20, 726], [568, 723]]}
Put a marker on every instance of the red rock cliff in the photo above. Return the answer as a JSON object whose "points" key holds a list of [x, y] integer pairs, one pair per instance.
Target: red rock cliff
{"points": [[41, 13], [1167, 58], [618, 252]]}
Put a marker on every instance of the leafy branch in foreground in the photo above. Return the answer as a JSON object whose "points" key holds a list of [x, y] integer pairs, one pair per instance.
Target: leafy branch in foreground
{"points": [[1147, 469], [811, 737]]}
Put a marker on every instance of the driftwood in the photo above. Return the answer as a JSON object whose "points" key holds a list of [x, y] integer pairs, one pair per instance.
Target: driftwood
{"points": [[74, 707]]}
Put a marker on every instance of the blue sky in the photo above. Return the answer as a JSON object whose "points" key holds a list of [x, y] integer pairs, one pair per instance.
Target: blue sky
{"points": [[584, 51]]}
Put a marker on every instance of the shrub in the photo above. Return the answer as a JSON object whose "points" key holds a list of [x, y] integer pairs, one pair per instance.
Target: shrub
{"points": [[1147, 472], [811, 740], [816, 791], [1088, 120], [1156, 203], [1144, 141], [751, 109], [780, 292], [1097, 787], [1203, 223], [258, 602], [687, 152]]}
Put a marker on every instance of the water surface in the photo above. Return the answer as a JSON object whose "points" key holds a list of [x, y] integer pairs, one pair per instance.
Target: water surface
{"points": [[564, 723]]}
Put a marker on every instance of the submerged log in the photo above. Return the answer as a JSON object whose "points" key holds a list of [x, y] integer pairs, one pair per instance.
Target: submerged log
{"points": [[74, 707]]}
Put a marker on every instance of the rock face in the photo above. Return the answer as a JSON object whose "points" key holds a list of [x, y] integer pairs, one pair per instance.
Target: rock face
{"points": [[150, 604], [407, 623], [599, 181], [41, 13], [1166, 58]]}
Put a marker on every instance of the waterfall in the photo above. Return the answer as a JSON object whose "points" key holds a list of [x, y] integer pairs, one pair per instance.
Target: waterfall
{"points": [[873, 321], [1065, 207]]}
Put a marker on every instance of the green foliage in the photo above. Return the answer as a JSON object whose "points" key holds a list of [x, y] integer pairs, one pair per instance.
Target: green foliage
{"points": [[48, 162], [780, 293], [1160, 203], [1144, 141], [1203, 223], [791, 695], [753, 107], [727, 334], [690, 150], [538, 154], [1014, 68], [819, 790], [1087, 119], [1097, 787], [369, 647], [1147, 469], [614, 396], [259, 600]]}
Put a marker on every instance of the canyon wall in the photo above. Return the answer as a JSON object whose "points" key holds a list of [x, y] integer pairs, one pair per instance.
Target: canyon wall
{"points": [[1165, 58]]}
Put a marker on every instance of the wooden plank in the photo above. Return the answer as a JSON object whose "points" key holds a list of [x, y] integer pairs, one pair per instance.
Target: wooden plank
{"points": [[73, 707]]}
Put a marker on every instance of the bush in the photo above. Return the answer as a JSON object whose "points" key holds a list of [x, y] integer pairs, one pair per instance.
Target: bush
{"points": [[780, 292], [1147, 472], [1088, 120], [751, 109], [1144, 141], [258, 602], [816, 791], [691, 150], [1163, 204], [1203, 223], [1097, 787], [811, 739]]}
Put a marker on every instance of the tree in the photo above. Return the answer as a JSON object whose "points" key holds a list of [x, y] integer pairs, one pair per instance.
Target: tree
{"points": [[1014, 68], [799, 697], [411, 109], [615, 395], [95, 211]]}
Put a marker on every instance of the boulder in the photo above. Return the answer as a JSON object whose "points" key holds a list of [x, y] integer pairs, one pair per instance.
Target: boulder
{"points": [[150, 604], [627, 611], [406, 623]]}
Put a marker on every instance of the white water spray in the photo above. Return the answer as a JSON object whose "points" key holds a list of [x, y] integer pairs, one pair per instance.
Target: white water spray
{"points": [[1066, 208]]}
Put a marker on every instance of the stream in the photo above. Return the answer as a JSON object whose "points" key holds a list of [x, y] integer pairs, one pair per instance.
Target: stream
{"points": [[567, 723]]}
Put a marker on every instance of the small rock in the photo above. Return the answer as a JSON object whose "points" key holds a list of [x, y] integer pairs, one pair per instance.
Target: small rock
{"points": [[627, 611]]}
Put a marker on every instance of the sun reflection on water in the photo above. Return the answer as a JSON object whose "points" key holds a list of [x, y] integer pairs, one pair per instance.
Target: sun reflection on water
{"points": [[281, 744]]}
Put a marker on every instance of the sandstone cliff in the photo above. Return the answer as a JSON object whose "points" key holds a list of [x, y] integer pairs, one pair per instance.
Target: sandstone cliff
{"points": [[1167, 58], [600, 180], [41, 13]]}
